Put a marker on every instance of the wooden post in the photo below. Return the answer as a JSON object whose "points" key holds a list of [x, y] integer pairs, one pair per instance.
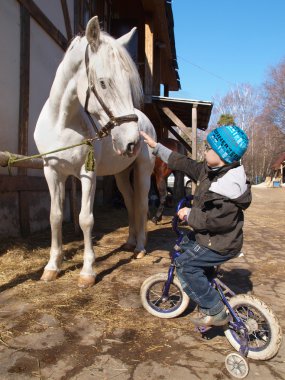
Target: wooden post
{"points": [[39, 16], [180, 139], [194, 132], [177, 122], [194, 138], [24, 209], [166, 90], [66, 19], [148, 74], [33, 163], [24, 85]]}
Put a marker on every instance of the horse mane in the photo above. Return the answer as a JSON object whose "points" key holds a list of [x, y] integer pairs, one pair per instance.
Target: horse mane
{"points": [[121, 54]]}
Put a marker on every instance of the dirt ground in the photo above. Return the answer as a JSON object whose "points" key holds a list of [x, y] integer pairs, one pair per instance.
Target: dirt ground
{"points": [[57, 331]]}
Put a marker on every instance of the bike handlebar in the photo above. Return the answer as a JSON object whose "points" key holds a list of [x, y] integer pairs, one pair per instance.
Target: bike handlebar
{"points": [[186, 201]]}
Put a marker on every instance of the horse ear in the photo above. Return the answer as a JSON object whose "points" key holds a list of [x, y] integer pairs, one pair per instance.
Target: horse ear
{"points": [[126, 38], [92, 33]]}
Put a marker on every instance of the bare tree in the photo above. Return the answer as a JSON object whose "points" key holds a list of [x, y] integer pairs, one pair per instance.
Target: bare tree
{"points": [[243, 103], [274, 96], [260, 112]]}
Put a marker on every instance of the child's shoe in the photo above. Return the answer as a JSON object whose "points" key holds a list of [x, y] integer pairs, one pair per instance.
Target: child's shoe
{"points": [[219, 319]]}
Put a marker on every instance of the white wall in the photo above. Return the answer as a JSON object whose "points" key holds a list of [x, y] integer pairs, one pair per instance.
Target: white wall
{"points": [[45, 56], [53, 10]]}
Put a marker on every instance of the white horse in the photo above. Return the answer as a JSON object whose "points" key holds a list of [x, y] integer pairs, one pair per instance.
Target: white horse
{"points": [[96, 77]]}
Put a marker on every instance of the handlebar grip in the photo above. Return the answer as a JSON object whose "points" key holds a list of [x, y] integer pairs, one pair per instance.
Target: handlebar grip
{"points": [[183, 202], [175, 220]]}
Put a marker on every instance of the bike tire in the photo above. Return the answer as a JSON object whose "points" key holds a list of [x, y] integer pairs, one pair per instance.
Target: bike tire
{"points": [[265, 334], [151, 292]]}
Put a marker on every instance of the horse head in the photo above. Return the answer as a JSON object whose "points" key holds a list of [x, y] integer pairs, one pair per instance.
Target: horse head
{"points": [[114, 87]]}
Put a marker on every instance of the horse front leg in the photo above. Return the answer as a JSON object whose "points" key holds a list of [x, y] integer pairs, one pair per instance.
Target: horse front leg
{"points": [[86, 221], [56, 184]]}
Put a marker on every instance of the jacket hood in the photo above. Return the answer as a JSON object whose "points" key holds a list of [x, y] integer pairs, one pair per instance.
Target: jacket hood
{"points": [[245, 199], [233, 184]]}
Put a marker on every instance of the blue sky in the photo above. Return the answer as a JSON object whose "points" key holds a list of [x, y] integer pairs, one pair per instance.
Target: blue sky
{"points": [[220, 43]]}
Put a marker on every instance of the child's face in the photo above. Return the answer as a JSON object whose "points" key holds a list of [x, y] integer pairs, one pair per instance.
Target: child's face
{"points": [[213, 160]]}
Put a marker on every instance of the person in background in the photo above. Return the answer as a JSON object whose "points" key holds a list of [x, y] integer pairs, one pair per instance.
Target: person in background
{"points": [[216, 217]]}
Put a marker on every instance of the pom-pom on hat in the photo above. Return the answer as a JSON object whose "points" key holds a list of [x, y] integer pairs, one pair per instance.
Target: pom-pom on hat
{"points": [[229, 142]]}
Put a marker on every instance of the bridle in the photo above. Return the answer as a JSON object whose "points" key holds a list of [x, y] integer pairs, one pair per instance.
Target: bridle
{"points": [[113, 121]]}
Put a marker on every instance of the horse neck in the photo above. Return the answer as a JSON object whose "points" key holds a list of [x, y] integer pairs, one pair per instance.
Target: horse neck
{"points": [[63, 97]]}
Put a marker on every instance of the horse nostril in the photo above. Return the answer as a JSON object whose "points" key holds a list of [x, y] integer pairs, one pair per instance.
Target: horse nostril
{"points": [[130, 147]]}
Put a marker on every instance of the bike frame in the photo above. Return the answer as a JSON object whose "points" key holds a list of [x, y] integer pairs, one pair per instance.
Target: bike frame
{"points": [[225, 292]]}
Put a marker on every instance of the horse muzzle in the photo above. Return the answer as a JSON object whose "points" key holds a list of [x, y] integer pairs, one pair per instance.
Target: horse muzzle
{"points": [[129, 150]]}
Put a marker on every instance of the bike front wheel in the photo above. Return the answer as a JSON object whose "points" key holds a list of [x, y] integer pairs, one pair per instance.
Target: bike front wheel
{"points": [[163, 307], [264, 331]]}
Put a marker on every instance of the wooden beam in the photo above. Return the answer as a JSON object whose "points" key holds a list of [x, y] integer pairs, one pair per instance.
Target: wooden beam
{"points": [[148, 72], [165, 90], [22, 183], [23, 126], [179, 138], [44, 22], [32, 163], [171, 115], [76, 11], [156, 70], [194, 140], [66, 19], [10, 184], [194, 132]]}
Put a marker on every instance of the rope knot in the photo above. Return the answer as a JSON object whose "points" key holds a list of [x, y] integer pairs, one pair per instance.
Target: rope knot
{"points": [[90, 160]]}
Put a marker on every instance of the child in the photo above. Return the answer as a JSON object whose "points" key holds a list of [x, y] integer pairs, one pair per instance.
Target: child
{"points": [[216, 217]]}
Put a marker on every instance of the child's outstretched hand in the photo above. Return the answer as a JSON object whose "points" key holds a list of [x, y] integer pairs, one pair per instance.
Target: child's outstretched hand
{"points": [[147, 139]]}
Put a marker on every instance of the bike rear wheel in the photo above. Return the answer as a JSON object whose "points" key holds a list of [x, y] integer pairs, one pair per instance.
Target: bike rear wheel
{"points": [[263, 327], [152, 300]]}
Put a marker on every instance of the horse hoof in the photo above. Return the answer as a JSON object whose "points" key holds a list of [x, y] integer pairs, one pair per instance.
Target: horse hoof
{"points": [[140, 254], [86, 281], [49, 275], [154, 220]]}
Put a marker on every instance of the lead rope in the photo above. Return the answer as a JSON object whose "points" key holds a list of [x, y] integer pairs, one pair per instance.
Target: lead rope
{"points": [[89, 161]]}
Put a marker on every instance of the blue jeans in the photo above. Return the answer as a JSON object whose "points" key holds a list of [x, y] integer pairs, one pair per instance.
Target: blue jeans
{"points": [[192, 267]]}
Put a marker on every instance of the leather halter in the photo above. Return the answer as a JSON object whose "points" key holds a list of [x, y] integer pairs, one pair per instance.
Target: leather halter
{"points": [[113, 121]]}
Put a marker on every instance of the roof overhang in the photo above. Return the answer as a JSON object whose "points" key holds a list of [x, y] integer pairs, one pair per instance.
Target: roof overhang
{"points": [[182, 108]]}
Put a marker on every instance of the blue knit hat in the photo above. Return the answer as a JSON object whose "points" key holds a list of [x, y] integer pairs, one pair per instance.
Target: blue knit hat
{"points": [[229, 142]]}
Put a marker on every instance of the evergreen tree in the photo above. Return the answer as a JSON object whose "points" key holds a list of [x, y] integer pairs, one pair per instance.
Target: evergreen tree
{"points": [[226, 119]]}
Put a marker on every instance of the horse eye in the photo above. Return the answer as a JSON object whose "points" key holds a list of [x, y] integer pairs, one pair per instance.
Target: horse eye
{"points": [[103, 84]]}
